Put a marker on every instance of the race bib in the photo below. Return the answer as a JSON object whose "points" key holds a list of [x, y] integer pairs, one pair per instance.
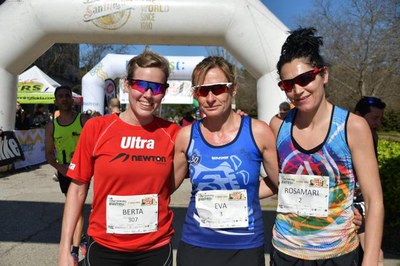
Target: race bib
{"points": [[306, 195], [222, 208], [132, 214]]}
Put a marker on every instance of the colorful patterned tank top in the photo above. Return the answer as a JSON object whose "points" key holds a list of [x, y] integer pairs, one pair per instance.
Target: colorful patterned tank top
{"points": [[318, 237]]}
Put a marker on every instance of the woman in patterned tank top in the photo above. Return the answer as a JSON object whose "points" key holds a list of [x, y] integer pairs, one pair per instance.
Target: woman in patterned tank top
{"points": [[320, 147]]}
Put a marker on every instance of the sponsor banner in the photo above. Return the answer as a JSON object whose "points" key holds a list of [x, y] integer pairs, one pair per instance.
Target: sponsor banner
{"points": [[32, 143], [32, 98], [109, 90], [43, 97], [178, 92], [31, 86], [10, 150]]}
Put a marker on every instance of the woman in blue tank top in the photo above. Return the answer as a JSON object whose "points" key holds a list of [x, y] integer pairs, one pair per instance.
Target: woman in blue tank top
{"points": [[320, 148], [223, 153]]}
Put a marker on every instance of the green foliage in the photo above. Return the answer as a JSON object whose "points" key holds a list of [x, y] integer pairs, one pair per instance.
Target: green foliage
{"points": [[391, 121], [389, 169]]}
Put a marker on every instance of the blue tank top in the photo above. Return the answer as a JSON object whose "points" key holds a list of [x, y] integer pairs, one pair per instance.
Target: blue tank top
{"points": [[233, 166], [308, 237]]}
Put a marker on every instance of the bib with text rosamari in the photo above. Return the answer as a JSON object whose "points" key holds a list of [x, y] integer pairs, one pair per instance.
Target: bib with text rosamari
{"points": [[222, 208], [306, 195], [132, 214]]}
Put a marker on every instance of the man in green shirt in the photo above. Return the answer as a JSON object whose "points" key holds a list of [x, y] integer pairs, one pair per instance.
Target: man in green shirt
{"points": [[62, 135]]}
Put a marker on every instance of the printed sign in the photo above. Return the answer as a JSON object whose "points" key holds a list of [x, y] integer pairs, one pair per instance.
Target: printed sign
{"points": [[10, 150], [32, 145]]}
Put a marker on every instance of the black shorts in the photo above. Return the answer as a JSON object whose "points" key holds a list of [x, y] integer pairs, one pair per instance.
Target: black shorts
{"points": [[98, 255], [64, 182], [281, 259], [189, 255]]}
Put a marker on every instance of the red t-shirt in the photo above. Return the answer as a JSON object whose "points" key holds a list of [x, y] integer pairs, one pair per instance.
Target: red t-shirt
{"points": [[126, 160]]}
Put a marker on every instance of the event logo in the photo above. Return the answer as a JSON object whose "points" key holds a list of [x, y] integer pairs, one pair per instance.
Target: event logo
{"points": [[109, 14], [30, 86]]}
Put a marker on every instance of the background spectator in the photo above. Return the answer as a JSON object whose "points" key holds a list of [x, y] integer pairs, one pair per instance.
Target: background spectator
{"points": [[187, 119], [114, 106], [40, 116], [21, 118]]}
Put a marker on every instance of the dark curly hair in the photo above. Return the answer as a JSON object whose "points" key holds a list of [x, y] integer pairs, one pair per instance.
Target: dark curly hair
{"points": [[302, 43]]}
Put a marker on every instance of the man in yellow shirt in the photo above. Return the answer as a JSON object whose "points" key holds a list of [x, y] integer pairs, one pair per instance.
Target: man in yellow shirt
{"points": [[62, 135]]}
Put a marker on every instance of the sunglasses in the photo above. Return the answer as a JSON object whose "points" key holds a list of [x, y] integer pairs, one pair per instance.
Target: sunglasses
{"points": [[302, 79], [143, 85], [215, 88]]}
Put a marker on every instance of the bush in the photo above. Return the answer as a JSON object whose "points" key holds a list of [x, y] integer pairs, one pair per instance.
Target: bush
{"points": [[389, 169], [391, 121]]}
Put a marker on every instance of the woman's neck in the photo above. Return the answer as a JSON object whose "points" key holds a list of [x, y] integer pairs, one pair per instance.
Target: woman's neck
{"points": [[130, 118], [221, 123], [316, 117], [221, 130]]}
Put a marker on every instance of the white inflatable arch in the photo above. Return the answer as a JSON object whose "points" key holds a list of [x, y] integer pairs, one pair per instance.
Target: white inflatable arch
{"points": [[246, 28]]}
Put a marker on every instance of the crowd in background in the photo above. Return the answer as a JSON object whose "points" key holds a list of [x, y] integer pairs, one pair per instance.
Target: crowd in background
{"points": [[42, 114], [38, 118]]}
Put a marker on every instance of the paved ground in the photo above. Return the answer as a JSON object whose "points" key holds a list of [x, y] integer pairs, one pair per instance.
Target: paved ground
{"points": [[31, 206]]}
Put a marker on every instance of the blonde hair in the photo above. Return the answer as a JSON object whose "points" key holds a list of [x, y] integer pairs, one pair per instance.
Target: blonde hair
{"points": [[210, 62]]}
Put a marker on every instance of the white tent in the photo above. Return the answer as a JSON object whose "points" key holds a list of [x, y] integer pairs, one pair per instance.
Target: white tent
{"points": [[34, 86]]}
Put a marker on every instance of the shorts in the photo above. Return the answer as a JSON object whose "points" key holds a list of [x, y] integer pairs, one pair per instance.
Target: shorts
{"points": [[64, 182], [281, 259], [98, 255], [360, 206], [189, 255]]}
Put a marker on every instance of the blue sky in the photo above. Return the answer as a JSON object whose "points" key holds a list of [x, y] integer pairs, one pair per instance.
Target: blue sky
{"points": [[286, 10]]}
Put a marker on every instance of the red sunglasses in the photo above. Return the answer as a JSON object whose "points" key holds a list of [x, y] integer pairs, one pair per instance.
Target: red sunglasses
{"points": [[302, 79], [215, 88], [143, 85]]}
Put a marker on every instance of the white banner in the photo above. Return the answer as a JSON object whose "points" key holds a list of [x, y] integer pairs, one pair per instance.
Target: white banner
{"points": [[179, 92], [32, 143]]}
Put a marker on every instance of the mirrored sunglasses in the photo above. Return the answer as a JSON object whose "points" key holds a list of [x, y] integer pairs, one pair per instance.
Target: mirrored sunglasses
{"points": [[215, 88], [302, 79], [143, 85]]}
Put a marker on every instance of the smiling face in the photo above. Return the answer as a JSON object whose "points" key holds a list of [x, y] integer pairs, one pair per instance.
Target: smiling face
{"points": [[143, 105], [305, 98], [213, 105]]}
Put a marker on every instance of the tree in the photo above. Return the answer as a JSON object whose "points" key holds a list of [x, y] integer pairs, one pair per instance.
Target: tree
{"points": [[246, 97], [68, 63], [61, 62], [361, 41], [91, 54]]}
